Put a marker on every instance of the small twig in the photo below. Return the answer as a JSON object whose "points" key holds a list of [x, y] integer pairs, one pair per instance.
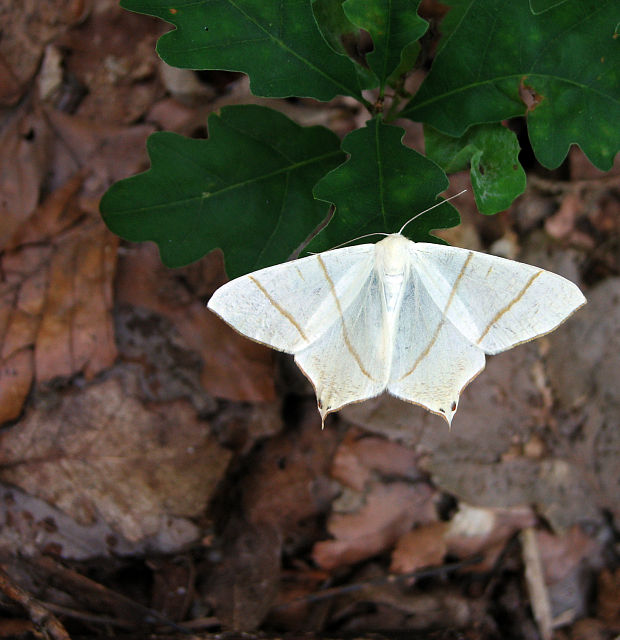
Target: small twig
{"points": [[392, 112], [562, 186], [188, 625], [75, 583], [199, 624], [494, 574], [90, 617], [44, 619], [535, 580], [391, 579]]}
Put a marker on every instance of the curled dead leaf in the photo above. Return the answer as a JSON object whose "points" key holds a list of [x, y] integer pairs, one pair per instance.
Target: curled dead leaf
{"points": [[388, 512], [422, 547], [359, 457]]}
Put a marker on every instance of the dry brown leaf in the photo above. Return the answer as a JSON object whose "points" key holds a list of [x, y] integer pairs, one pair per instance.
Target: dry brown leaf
{"points": [[474, 529], [587, 379], [245, 584], [185, 86], [76, 333], [17, 628], [561, 554], [173, 591], [10, 88], [35, 527], [234, 367], [562, 224], [606, 217], [171, 115], [119, 80], [566, 562], [27, 26], [388, 512], [43, 148], [101, 454], [41, 144], [556, 487], [434, 607], [151, 348], [16, 373], [25, 147], [56, 213], [471, 531], [422, 547], [295, 609], [608, 597], [108, 152], [23, 314], [72, 321], [287, 483], [57, 299], [22, 295], [283, 492], [359, 457], [590, 629], [372, 512]]}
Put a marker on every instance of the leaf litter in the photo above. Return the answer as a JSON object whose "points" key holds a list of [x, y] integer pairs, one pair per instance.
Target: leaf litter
{"points": [[155, 466]]}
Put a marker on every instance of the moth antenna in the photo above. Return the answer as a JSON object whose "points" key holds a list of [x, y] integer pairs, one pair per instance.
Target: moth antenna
{"points": [[367, 235], [417, 215], [380, 233]]}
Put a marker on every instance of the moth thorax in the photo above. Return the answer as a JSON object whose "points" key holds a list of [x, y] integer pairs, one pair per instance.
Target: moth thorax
{"points": [[391, 257], [391, 265]]}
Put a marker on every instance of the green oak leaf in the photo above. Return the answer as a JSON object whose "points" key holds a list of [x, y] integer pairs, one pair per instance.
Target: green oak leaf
{"points": [[451, 21], [381, 186], [394, 26], [540, 6], [247, 190], [277, 44], [408, 58], [567, 58], [492, 151], [339, 32], [343, 37]]}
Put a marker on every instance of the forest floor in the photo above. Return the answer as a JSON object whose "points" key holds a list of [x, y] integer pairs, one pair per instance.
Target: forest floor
{"points": [[163, 477]]}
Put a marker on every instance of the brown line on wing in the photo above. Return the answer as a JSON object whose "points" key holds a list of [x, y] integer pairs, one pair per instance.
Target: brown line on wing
{"points": [[509, 306], [345, 335], [277, 306], [440, 325]]}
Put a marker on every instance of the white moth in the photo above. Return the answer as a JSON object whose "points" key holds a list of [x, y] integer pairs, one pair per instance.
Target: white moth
{"points": [[413, 319]]}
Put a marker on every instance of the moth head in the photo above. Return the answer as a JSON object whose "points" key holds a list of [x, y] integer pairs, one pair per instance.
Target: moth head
{"points": [[392, 256]]}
